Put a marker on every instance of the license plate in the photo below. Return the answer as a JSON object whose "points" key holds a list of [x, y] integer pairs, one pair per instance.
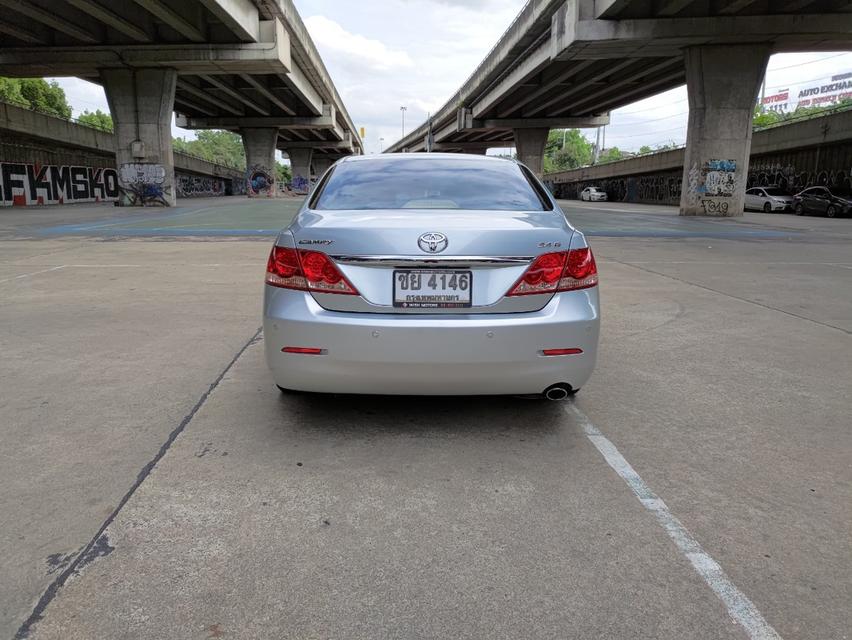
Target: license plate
{"points": [[431, 288]]}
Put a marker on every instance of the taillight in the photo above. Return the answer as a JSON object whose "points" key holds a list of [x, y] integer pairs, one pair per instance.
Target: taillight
{"points": [[559, 271], [581, 272], [305, 270]]}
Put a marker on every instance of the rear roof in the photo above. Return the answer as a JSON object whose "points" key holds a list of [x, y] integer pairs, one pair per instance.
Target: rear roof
{"points": [[394, 157]]}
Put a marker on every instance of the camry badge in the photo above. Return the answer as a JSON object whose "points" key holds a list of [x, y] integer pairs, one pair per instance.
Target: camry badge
{"points": [[433, 242]]}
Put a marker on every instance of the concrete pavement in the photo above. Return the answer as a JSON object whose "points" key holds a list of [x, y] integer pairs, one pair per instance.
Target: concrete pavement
{"points": [[722, 379]]}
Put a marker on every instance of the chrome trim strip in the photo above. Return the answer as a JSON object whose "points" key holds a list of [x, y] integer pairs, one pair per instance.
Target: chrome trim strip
{"points": [[428, 259]]}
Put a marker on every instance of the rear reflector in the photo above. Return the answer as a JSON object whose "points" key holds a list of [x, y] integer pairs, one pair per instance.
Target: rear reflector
{"points": [[561, 352], [308, 351]]}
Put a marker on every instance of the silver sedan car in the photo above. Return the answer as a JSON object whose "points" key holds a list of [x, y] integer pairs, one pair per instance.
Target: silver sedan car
{"points": [[431, 274]]}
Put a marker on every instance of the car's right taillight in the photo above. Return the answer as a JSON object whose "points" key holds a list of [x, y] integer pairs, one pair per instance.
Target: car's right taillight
{"points": [[581, 272], [558, 271], [306, 271]]}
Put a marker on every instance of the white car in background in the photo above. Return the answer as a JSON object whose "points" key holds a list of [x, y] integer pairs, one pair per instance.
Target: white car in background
{"points": [[768, 199], [593, 194]]}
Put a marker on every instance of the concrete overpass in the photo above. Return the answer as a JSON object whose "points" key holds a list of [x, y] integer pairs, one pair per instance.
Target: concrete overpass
{"points": [[244, 65], [568, 63]]}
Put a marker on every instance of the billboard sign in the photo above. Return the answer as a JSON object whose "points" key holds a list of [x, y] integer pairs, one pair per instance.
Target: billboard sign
{"points": [[824, 94]]}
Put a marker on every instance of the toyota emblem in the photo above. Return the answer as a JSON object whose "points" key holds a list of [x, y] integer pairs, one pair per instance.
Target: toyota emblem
{"points": [[433, 242]]}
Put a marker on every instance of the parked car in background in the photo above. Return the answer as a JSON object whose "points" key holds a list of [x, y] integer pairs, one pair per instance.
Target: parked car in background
{"points": [[593, 194], [768, 199], [824, 201]]}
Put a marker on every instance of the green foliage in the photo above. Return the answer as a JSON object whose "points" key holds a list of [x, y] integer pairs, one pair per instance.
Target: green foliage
{"points": [[611, 155], [221, 147], [566, 149], [645, 149], [98, 120], [285, 173], [36, 94], [10, 91]]}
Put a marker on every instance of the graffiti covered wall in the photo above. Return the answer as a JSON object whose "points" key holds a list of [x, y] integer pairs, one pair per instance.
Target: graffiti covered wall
{"points": [[33, 184], [23, 184], [192, 186], [259, 182], [829, 165]]}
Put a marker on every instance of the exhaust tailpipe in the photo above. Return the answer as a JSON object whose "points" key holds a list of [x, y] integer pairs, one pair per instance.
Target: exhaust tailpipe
{"points": [[557, 392]]}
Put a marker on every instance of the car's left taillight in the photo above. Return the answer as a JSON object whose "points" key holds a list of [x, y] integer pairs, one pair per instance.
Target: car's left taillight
{"points": [[306, 271], [558, 271]]}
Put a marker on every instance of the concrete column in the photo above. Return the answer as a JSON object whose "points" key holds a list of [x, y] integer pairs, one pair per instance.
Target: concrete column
{"points": [[321, 163], [261, 173], [141, 102], [530, 144], [300, 164], [722, 82]]}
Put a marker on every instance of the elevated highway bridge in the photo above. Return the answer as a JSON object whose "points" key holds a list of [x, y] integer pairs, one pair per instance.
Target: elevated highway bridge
{"points": [[245, 65], [569, 63]]}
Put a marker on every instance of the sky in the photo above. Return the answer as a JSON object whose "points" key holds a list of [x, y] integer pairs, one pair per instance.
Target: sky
{"points": [[384, 54]]}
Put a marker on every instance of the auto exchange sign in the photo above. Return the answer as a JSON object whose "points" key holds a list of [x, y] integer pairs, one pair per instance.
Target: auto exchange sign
{"points": [[839, 88]]}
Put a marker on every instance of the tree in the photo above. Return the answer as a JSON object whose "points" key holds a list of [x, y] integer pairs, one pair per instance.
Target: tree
{"points": [[10, 91], [610, 155], [98, 120], [764, 118], [285, 173], [221, 147], [575, 152], [645, 149], [36, 94]]}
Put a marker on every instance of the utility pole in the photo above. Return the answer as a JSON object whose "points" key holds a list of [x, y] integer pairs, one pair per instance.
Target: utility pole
{"points": [[381, 144], [597, 146], [403, 110]]}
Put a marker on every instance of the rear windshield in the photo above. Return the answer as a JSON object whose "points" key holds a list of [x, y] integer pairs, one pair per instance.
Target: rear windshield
{"points": [[420, 183], [776, 192]]}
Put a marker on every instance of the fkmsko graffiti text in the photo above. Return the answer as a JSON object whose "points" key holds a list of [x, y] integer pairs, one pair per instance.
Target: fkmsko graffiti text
{"points": [[33, 184]]}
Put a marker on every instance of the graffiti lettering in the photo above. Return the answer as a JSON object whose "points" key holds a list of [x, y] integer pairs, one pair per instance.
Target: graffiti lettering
{"points": [[144, 183], [712, 206], [189, 186], [300, 185], [31, 184]]}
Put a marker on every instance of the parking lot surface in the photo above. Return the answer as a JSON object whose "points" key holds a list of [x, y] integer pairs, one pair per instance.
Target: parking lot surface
{"points": [[157, 485]]}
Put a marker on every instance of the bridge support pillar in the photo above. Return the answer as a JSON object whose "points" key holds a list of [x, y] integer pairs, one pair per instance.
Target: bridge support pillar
{"points": [[141, 102], [722, 82], [261, 172], [300, 163], [321, 165], [530, 144]]}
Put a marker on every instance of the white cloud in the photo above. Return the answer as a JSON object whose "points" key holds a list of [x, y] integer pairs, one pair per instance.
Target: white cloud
{"points": [[351, 49]]}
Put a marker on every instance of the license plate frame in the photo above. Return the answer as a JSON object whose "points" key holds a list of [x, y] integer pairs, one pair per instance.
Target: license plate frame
{"points": [[436, 303]]}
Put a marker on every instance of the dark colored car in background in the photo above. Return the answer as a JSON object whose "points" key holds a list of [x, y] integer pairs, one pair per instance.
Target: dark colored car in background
{"points": [[824, 201]]}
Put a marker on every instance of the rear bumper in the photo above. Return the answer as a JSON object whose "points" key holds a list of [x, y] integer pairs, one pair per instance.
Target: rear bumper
{"points": [[477, 354]]}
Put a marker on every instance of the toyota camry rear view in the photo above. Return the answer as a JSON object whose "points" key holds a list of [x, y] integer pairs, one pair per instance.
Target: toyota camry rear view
{"points": [[431, 274]]}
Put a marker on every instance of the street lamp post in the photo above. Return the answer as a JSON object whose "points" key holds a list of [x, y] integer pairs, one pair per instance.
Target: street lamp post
{"points": [[403, 110], [381, 144]]}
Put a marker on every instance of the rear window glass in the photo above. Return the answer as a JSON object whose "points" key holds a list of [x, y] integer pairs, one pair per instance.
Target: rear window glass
{"points": [[776, 192], [419, 183]]}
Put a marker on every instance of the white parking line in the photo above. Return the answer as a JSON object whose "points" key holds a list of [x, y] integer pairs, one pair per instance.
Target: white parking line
{"points": [[34, 273], [740, 608]]}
